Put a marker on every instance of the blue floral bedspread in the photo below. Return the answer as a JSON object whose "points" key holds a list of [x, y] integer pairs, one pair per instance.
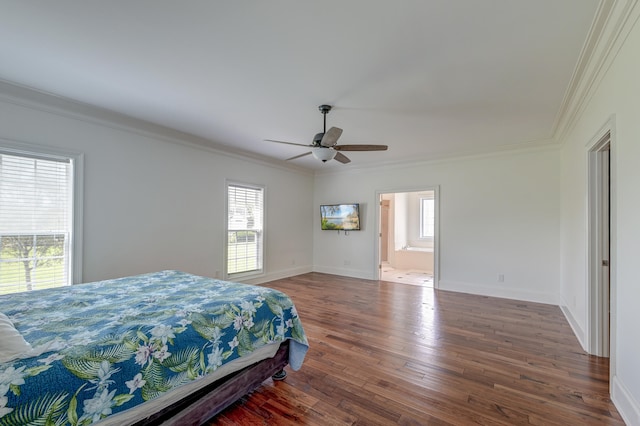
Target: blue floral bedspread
{"points": [[111, 345]]}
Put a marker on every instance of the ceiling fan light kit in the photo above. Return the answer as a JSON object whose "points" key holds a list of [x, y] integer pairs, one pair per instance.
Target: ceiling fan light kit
{"points": [[324, 146], [324, 154]]}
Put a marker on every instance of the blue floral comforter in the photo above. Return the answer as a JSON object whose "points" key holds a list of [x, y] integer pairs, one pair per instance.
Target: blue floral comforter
{"points": [[111, 345]]}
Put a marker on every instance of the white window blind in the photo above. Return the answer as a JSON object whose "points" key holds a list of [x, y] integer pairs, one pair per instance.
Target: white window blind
{"points": [[36, 205], [245, 212]]}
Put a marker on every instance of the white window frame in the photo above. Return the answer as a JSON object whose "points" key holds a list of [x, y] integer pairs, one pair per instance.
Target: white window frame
{"points": [[423, 235], [259, 271], [11, 147]]}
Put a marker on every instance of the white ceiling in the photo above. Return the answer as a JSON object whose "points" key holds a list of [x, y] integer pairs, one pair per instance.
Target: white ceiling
{"points": [[429, 78]]}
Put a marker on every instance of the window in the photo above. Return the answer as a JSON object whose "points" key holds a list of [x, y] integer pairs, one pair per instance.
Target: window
{"points": [[245, 206], [36, 221], [427, 217]]}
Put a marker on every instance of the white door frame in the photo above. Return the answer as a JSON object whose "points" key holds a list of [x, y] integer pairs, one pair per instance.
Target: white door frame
{"points": [[601, 238], [436, 229]]}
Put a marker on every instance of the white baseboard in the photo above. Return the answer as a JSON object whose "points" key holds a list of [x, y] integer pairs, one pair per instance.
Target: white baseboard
{"points": [[577, 330], [277, 275], [628, 407], [286, 273], [503, 292], [353, 273]]}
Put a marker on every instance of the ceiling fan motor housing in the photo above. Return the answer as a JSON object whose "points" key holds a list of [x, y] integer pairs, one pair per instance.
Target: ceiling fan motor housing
{"points": [[318, 138]]}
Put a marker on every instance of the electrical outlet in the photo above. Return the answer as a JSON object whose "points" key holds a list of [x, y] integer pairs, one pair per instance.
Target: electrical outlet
{"points": [[501, 278], [347, 262]]}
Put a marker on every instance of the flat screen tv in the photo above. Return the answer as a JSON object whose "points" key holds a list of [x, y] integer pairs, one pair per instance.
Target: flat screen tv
{"points": [[340, 217]]}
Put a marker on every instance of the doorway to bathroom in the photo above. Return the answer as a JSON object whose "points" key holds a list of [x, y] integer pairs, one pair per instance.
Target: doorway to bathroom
{"points": [[407, 244]]}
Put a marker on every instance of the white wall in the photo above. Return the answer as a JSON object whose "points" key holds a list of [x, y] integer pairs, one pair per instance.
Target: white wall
{"points": [[499, 214], [152, 204], [617, 96]]}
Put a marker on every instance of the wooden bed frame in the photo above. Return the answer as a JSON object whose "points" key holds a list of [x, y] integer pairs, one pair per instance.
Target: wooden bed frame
{"points": [[205, 403]]}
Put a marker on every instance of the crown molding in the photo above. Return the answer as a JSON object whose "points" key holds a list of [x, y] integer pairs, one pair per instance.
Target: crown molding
{"points": [[34, 99], [547, 145], [612, 23]]}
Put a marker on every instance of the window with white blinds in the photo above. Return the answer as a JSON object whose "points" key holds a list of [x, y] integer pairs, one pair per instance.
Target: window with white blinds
{"points": [[36, 208], [245, 214]]}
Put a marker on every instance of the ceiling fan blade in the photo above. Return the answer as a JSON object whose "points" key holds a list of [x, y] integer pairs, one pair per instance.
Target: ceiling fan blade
{"points": [[288, 143], [360, 147], [331, 137], [341, 158], [298, 156]]}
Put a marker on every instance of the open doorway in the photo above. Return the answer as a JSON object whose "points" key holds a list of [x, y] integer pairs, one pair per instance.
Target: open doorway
{"points": [[407, 237]]}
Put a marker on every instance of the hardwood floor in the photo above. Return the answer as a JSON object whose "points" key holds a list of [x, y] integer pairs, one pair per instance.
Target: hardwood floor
{"points": [[386, 353], [406, 276]]}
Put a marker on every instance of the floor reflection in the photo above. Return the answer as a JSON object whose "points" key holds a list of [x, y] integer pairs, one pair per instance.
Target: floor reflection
{"points": [[406, 276]]}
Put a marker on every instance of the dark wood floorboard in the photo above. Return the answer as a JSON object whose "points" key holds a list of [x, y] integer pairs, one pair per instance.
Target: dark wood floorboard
{"points": [[385, 353]]}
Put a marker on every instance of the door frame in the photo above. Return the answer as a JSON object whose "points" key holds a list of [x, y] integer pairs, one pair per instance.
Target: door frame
{"points": [[601, 295], [436, 228]]}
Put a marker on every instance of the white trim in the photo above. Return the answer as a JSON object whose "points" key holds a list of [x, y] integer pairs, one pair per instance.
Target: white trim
{"points": [[596, 339], [623, 399], [20, 147], [31, 98], [574, 324], [27, 97], [598, 299], [613, 21], [283, 273], [501, 292], [261, 272], [78, 216], [445, 158], [345, 272], [422, 212]]}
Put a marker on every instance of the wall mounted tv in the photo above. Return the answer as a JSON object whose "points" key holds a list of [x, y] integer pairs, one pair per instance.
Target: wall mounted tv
{"points": [[340, 217]]}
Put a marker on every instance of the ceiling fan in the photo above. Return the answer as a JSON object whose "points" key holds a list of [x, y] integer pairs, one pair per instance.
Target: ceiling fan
{"points": [[324, 146]]}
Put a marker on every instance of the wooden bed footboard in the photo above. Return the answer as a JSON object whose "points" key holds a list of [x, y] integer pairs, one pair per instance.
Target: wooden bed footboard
{"points": [[205, 403]]}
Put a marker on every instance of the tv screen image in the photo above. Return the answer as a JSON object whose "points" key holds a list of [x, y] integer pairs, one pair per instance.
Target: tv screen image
{"points": [[340, 217]]}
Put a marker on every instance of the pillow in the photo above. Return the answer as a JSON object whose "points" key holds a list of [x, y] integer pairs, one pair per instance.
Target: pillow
{"points": [[12, 344]]}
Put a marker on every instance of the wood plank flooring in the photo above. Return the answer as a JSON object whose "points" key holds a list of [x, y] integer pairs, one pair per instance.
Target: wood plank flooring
{"points": [[386, 353]]}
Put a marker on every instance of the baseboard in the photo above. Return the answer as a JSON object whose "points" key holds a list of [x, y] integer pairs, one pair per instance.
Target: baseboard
{"points": [[353, 273], [577, 330], [286, 273], [502, 292], [277, 275], [628, 407]]}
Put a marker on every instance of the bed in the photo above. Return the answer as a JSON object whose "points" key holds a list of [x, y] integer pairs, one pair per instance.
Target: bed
{"points": [[159, 348]]}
